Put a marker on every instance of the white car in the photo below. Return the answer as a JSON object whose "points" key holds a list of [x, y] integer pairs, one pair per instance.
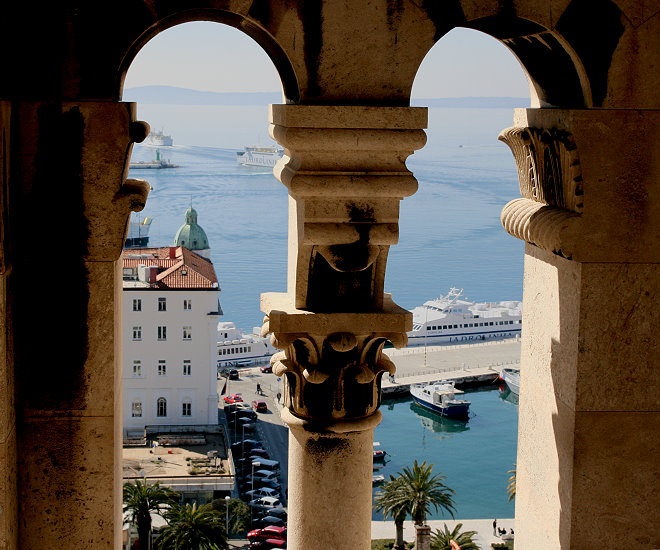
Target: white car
{"points": [[262, 492], [266, 502]]}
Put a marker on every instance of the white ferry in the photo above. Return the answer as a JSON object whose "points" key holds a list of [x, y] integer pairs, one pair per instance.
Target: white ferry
{"points": [[450, 319], [259, 156], [236, 349], [157, 138]]}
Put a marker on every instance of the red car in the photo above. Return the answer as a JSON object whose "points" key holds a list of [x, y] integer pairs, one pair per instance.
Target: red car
{"points": [[260, 406], [234, 398], [270, 532], [266, 368]]}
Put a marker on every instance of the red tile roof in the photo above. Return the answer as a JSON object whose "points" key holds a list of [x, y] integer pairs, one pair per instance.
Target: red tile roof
{"points": [[178, 266]]}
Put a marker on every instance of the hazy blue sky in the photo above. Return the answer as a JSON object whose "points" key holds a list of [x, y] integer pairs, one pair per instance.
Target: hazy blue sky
{"points": [[218, 58]]}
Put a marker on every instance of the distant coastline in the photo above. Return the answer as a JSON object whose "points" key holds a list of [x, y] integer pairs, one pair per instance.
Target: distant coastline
{"points": [[171, 95]]}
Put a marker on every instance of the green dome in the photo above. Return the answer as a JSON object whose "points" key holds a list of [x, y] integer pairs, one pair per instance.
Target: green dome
{"points": [[190, 234]]}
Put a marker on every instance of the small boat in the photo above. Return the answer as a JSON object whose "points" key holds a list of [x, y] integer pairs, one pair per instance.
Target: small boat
{"points": [[440, 398], [511, 377], [153, 164], [379, 455], [376, 479]]}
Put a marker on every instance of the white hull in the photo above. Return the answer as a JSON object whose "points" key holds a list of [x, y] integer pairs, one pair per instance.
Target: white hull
{"points": [[158, 139], [265, 157], [235, 349], [512, 379], [450, 320]]}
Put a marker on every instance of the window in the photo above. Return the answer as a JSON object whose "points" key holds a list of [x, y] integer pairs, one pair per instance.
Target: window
{"points": [[137, 333], [162, 333], [162, 367], [136, 409], [186, 409], [187, 367], [187, 333], [137, 367], [161, 407], [187, 304], [137, 304], [162, 304]]}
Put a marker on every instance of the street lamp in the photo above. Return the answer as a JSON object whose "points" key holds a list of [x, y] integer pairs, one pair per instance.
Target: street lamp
{"points": [[257, 464], [227, 498]]}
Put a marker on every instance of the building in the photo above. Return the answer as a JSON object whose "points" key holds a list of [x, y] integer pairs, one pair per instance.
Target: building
{"points": [[170, 304], [588, 212]]}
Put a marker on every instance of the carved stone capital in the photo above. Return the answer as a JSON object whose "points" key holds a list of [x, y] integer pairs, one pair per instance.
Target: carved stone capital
{"points": [[345, 170], [332, 363]]}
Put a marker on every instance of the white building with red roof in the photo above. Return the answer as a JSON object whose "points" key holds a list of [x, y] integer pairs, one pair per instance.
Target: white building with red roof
{"points": [[170, 316]]}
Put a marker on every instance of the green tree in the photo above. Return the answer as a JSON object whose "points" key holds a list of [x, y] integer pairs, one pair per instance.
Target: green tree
{"points": [[511, 487], [190, 527], [441, 539], [413, 491], [239, 513], [143, 498], [388, 502]]}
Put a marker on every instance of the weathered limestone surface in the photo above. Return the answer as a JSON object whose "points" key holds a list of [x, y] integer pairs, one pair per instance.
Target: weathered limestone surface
{"points": [[65, 384]]}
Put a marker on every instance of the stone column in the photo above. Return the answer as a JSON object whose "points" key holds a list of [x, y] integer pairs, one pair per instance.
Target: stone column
{"points": [[66, 206], [345, 171], [587, 452]]}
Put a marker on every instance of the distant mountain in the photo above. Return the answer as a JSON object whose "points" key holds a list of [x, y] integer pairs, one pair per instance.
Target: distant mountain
{"points": [[184, 96]]}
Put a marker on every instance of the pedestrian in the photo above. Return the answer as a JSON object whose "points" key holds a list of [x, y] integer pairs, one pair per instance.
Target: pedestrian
{"points": [[495, 527], [279, 396], [259, 389]]}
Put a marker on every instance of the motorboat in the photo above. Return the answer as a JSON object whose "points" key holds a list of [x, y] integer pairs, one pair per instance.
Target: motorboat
{"points": [[440, 397], [511, 377]]}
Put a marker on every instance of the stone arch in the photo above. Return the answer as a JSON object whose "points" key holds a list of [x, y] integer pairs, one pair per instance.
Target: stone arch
{"points": [[272, 48]]}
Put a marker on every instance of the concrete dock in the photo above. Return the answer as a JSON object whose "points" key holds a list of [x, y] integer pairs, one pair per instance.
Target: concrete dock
{"points": [[468, 365]]}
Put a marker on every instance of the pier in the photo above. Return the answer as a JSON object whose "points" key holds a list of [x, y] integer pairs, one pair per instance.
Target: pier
{"points": [[468, 365]]}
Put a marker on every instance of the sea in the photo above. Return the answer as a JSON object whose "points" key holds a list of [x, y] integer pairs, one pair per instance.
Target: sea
{"points": [[449, 236]]}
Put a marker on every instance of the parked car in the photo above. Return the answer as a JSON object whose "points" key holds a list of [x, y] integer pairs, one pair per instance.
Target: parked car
{"points": [[276, 512], [269, 532], [266, 368], [237, 414], [259, 453], [263, 474], [265, 464], [233, 398], [265, 502], [261, 492], [258, 483], [267, 544], [260, 406], [265, 521], [238, 406], [246, 446]]}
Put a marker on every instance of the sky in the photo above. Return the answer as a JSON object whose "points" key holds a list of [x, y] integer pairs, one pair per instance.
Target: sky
{"points": [[217, 58]]}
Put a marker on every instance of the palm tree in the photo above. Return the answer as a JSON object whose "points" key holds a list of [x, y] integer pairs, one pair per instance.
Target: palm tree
{"points": [[192, 528], [412, 492], [423, 490], [140, 500], [388, 502], [441, 540], [511, 487], [239, 513]]}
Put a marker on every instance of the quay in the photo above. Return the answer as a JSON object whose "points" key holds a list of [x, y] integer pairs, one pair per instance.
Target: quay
{"points": [[468, 365]]}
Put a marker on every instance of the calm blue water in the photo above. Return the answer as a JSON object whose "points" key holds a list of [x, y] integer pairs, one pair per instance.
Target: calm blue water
{"points": [[474, 455], [450, 235]]}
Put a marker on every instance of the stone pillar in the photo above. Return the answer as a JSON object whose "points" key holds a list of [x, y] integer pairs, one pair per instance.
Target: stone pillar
{"points": [[345, 171], [65, 206], [587, 451], [422, 537]]}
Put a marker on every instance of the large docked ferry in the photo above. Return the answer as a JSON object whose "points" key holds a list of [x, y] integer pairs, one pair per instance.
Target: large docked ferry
{"points": [[259, 156], [236, 349], [450, 319]]}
